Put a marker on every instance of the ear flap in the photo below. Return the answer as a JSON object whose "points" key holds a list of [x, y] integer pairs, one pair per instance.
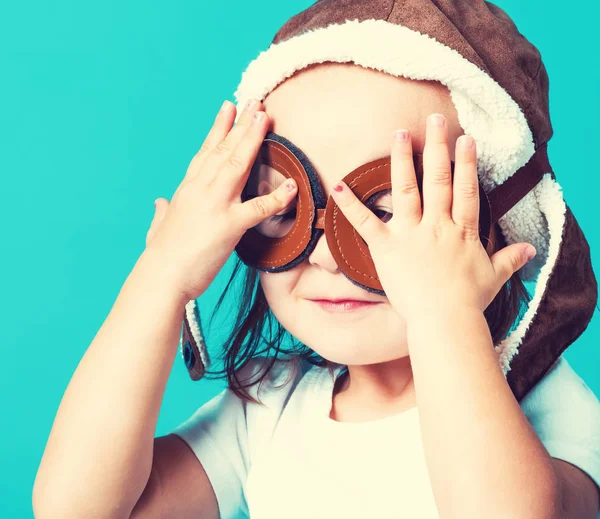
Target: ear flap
{"points": [[193, 347], [564, 312]]}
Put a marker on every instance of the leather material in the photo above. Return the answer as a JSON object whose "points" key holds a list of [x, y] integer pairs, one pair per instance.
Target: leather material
{"points": [[349, 250]]}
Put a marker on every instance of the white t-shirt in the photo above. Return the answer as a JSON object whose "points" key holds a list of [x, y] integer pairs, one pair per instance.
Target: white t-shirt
{"points": [[290, 459]]}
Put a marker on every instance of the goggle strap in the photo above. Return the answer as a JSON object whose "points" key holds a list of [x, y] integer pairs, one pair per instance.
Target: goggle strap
{"points": [[320, 223]]}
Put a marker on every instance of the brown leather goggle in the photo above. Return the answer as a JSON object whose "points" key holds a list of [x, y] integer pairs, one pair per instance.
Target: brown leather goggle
{"points": [[280, 243]]}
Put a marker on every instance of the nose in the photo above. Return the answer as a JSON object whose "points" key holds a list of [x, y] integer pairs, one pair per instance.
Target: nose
{"points": [[321, 255]]}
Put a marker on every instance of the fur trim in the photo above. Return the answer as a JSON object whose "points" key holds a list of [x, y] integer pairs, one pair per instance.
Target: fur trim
{"points": [[193, 316]]}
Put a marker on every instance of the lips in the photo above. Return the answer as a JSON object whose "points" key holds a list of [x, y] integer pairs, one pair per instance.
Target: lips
{"points": [[326, 300], [343, 305]]}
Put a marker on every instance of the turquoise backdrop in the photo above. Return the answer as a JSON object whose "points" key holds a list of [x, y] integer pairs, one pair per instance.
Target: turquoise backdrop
{"points": [[102, 106]]}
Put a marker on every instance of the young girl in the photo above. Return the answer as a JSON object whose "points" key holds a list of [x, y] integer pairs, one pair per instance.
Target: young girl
{"points": [[438, 406]]}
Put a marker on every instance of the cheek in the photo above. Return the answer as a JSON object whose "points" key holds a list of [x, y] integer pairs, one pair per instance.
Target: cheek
{"points": [[276, 287], [279, 294]]}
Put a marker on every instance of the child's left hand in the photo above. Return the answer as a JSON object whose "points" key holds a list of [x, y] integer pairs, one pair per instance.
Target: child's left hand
{"points": [[433, 259]]}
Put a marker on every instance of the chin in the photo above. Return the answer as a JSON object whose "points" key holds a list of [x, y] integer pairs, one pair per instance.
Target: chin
{"points": [[372, 337], [359, 356]]}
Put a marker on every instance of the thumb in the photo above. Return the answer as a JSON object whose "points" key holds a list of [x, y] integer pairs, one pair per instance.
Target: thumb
{"points": [[160, 209], [510, 259]]}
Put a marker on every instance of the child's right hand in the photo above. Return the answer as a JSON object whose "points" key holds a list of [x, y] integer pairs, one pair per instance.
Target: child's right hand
{"points": [[197, 231]]}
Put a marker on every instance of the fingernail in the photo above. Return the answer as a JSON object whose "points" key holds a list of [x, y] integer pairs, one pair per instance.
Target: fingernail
{"points": [[467, 142], [438, 119], [401, 135], [339, 187], [529, 252]]}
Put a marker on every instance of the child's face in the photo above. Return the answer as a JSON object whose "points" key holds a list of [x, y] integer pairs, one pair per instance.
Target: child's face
{"points": [[342, 116]]}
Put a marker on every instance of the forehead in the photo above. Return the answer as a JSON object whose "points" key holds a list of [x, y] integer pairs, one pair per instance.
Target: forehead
{"points": [[343, 115]]}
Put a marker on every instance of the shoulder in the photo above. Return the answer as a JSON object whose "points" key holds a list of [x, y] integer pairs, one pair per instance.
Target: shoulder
{"points": [[273, 381], [271, 372], [560, 389], [565, 414]]}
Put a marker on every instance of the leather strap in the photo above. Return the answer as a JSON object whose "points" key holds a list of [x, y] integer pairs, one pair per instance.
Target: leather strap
{"points": [[505, 196]]}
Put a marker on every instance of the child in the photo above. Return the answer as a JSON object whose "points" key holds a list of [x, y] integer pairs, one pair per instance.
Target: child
{"points": [[418, 419]]}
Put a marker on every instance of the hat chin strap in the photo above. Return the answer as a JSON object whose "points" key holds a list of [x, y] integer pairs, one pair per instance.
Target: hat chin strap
{"points": [[504, 196]]}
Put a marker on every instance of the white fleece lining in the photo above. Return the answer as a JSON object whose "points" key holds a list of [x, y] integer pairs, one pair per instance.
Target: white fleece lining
{"points": [[196, 334], [552, 205], [485, 111]]}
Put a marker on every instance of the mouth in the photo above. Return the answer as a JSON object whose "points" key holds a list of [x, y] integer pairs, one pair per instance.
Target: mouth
{"points": [[342, 305]]}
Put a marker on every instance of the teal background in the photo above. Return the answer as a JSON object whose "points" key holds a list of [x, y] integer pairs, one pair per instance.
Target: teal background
{"points": [[102, 106]]}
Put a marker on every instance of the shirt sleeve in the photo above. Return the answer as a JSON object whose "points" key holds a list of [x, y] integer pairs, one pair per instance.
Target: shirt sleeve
{"points": [[218, 433], [565, 413]]}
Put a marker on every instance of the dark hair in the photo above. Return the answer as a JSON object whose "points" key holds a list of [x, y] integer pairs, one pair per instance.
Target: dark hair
{"points": [[254, 312]]}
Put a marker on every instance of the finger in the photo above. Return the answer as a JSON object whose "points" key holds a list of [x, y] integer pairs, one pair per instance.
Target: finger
{"points": [[234, 173], [221, 153], [437, 179], [221, 126], [160, 209], [406, 200], [509, 260], [360, 216], [465, 205], [255, 210]]}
